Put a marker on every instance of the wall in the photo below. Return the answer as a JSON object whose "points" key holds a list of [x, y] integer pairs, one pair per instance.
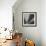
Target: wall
{"points": [[43, 22], [6, 18], [33, 33], [6, 13]]}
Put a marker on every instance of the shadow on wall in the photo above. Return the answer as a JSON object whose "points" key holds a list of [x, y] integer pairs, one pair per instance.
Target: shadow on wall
{"points": [[22, 6]]}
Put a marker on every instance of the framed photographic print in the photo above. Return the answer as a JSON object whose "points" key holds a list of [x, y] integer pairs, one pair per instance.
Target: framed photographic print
{"points": [[29, 19]]}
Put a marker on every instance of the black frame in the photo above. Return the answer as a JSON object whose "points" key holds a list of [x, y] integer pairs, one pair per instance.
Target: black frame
{"points": [[34, 14]]}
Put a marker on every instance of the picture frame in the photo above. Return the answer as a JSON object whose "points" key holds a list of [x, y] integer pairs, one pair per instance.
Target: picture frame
{"points": [[29, 19]]}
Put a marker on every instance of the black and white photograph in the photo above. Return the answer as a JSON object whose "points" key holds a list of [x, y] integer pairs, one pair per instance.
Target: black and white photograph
{"points": [[29, 19]]}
